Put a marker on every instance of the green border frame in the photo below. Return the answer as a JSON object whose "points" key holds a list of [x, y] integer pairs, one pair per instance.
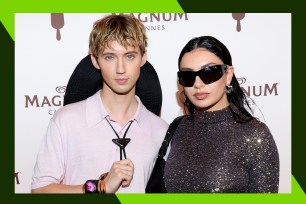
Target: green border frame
{"points": [[7, 11]]}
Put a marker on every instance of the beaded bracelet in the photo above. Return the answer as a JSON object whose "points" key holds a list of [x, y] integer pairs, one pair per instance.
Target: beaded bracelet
{"points": [[101, 183]]}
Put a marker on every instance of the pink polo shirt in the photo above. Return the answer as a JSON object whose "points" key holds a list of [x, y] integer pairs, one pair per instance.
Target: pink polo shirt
{"points": [[78, 145]]}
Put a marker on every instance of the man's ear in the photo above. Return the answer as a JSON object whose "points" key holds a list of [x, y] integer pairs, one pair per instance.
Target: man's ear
{"points": [[94, 61], [144, 58]]}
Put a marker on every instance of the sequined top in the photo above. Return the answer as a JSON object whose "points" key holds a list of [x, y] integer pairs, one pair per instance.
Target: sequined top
{"points": [[212, 153]]}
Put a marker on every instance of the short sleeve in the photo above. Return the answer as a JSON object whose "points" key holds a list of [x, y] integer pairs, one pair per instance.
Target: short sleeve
{"points": [[49, 167]]}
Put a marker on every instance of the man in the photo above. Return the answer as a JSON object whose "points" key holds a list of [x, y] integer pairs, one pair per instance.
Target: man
{"points": [[107, 143]]}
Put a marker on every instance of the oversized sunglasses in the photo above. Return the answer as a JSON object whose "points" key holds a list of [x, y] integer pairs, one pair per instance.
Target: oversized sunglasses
{"points": [[208, 74]]}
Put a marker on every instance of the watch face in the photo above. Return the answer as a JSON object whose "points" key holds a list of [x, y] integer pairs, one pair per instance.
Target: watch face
{"points": [[91, 186]]}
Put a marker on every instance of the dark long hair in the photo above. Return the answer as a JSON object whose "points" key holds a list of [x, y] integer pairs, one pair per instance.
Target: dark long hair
{"points": [[236, 97]]}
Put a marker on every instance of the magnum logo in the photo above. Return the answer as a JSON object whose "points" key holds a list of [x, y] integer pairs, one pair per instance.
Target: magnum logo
{"points": [[149, 18], [158, 17], [46, 101], [259, 90], [36, 101]]}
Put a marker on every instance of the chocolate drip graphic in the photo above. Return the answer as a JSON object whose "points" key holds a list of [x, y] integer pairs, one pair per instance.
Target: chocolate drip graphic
{"points": [[57, 22]]}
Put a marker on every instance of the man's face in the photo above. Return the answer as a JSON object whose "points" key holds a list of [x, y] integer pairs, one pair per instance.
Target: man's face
{"points": [[120, 67]]}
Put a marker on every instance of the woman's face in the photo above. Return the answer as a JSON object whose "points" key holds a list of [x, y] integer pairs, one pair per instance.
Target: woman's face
{"points": [[209, 97]]}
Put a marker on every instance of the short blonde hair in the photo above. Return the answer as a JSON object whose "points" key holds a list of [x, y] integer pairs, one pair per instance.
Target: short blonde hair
{"points": [[125, 29]]}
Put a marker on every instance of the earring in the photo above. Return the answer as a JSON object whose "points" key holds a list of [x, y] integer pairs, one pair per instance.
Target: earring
{"points": [[228, 89]]}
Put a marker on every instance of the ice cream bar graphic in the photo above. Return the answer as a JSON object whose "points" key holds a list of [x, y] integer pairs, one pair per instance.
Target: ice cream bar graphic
{"points": [[238, 17], [57, 22]]}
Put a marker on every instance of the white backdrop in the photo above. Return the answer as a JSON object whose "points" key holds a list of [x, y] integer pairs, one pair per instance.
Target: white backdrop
{"points": [[261, 54]]}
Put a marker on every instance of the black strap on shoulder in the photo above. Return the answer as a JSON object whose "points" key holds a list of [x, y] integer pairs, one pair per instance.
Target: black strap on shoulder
{"points": [[168, 136]]}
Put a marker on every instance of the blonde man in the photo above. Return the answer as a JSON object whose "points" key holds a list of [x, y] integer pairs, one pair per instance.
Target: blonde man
{"points": [[107, 143]]}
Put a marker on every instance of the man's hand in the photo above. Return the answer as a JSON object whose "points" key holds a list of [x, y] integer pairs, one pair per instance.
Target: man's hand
{"points": [[120, 174]]}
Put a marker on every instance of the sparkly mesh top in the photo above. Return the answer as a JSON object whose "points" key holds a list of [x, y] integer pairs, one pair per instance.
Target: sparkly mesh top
{"points": [[212, 153]]}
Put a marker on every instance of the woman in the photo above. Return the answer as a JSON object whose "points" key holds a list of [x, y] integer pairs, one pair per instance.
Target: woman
{"points": [[220, 147]]}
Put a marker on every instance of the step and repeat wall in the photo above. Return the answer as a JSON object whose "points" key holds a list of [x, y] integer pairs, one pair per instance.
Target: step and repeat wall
{"points": [[48, 47]]}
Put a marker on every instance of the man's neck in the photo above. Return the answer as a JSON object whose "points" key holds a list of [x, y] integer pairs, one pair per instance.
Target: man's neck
{"points": [[119, 107]]}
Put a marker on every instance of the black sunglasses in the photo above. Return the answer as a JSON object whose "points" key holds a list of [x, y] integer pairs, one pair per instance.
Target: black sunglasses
{"points": [[208, 74]]}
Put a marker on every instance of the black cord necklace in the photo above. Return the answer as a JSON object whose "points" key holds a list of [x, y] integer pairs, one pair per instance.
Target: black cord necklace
{"points": [[121, 142]]}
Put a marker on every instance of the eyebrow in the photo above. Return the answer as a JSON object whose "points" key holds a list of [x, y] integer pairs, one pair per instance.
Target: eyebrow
{"points": [[186, 69], [112, 53], [131, 52]]}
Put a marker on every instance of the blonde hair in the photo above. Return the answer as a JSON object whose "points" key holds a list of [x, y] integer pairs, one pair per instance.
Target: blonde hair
{"points": [[125, 29]]}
